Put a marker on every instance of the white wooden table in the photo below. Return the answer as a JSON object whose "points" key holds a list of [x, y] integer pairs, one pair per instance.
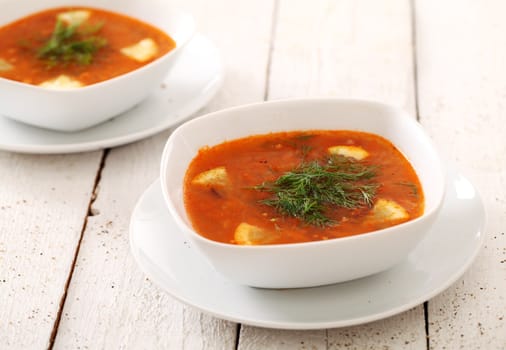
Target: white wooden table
{"points": [[67, 278]]}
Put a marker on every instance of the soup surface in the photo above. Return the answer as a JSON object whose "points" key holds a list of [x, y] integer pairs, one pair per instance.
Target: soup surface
{"points": [[294, 187], [77, 46]]}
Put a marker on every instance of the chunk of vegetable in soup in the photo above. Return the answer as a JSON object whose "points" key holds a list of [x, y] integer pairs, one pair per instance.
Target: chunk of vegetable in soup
{"points": [[292, 187], [71, 47]]}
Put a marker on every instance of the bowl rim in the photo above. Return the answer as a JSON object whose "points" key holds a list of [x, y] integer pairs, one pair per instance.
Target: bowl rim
{"points": [[297, 245], [174, 13]]}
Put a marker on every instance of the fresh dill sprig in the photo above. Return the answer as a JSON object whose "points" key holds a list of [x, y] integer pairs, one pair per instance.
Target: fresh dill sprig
{"points": [[412, 186], [67, 43], [304, 148], [311, 189]]}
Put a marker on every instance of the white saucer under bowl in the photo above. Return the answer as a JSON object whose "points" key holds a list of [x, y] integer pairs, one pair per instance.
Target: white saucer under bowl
{"points": [[448, 250], [191, 84]]}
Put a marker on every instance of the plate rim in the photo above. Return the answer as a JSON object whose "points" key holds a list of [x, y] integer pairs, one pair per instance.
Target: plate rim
{"points": [[458, 273]]}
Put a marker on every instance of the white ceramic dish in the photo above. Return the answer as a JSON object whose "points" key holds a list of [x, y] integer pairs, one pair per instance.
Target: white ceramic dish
{"points": [[80, 108], [439, 260], [190, 85], [312, 263]]}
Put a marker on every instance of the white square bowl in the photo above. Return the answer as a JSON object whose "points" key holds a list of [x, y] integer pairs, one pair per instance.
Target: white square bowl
{"points": [[80, 108], [312, 263]]}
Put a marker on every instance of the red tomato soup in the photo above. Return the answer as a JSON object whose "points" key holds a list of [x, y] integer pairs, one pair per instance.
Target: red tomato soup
{"points": [[84, 45], [299, 186]]}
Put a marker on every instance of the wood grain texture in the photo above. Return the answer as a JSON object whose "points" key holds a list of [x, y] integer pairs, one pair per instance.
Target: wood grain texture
{"points": [[252, 338], [110, 302], [404, 331], [242, 32], [462, 89], [43, 204], [348, 49]]}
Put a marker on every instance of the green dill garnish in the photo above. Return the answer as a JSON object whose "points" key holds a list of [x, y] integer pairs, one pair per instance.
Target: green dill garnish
{"points": [[412, 186], [305, 149], [295, 142], [69, 43], [311, 189]]}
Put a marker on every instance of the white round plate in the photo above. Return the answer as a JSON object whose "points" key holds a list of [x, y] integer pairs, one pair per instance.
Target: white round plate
{"points": [[193, 81], [441, 258]]}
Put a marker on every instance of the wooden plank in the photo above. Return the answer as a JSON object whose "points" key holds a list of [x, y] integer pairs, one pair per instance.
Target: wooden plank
{"points": [[462, 85], [252, 338], [110, 302], [349, 49], [345, 48], [43, 204]]}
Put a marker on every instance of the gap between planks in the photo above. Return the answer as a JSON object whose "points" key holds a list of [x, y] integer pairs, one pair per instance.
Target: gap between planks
{"points": [[417, 116], [237, 336], [415, 67], [275, 11], [89, 213]]}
